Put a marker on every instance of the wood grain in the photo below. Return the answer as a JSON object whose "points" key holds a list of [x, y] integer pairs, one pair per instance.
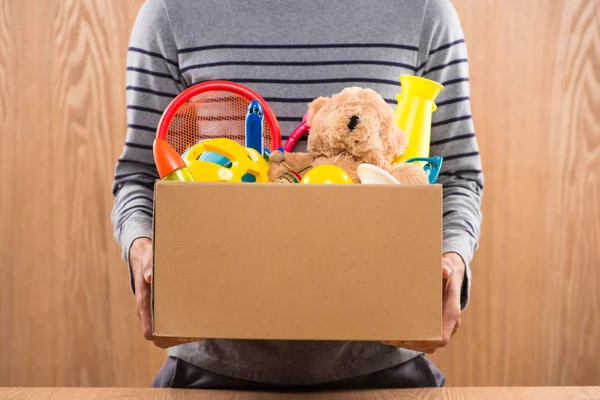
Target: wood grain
{"points": [[66, 306], [67, 316], [489, 393], [534, 316]]}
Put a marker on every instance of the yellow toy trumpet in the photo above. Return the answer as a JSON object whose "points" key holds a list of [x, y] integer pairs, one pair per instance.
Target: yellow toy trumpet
{"points": [[413, 115]]}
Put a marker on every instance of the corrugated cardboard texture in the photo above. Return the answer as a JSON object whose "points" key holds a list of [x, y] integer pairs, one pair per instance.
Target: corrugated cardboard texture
{"points": [[317, 262]]}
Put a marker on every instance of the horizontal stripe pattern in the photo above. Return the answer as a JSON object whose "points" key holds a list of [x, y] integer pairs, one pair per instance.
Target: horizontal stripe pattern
{"points": [[450, 121], [297, 64], [288, 120], [124, 160], [136, 174], [152, 54], [142, 127], [299, 46], [138, 145], [454, 81], [151, 91], [461, 172], [305, 100], [145, 109], [452, 101], [153, 73], [446, 46], [440, 67], [347, 81], [452, 139], [461, 155]]}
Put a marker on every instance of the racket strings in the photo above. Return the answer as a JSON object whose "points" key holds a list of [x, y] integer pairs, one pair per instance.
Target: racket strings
{"points": [[211, 114]]}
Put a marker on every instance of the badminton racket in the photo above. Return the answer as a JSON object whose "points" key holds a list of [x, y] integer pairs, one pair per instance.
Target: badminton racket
{"points": [[214, 109]]}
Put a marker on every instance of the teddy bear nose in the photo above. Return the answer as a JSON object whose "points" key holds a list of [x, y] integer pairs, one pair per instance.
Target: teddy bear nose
{"points": [[353, 122]]}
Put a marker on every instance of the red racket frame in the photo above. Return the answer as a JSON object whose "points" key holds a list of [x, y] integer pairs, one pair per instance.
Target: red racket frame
{"points": [[219, 85]]}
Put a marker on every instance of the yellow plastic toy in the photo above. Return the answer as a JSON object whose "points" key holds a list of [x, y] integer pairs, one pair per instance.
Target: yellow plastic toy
{"points": [[413, 115], [243, 160], [326, 174]]}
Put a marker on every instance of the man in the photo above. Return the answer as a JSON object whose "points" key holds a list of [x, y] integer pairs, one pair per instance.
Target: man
{"points": [[291, 51]]}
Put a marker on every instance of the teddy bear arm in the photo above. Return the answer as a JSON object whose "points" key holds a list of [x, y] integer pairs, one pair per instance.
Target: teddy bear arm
{"points": [[298, 161], [294, 161], [409, 174]]}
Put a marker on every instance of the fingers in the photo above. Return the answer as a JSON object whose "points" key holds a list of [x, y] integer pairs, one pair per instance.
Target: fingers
{"points": [[450, 316], [140, 256], [142, 297], [145, 315], [451, 311], [142, 294], [456, 326], [146, 259]]}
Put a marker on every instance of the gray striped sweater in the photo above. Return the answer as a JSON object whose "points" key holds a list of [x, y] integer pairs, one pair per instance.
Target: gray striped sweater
{"points": [[291, 52]]}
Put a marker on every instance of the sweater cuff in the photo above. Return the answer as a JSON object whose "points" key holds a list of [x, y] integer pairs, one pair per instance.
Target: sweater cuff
{"points": [[134, 229], [461, 243]]}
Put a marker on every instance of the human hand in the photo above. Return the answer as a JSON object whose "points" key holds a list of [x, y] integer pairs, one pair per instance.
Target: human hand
{"points": [[453, 273], [140, 258]]}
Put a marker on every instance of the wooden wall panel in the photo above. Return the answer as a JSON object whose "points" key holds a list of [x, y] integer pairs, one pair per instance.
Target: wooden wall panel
{"points": [[534, 316], [66, 314]]}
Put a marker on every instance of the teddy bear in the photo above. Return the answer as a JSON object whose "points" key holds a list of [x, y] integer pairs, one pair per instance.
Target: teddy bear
{"points": [[353, 127]]}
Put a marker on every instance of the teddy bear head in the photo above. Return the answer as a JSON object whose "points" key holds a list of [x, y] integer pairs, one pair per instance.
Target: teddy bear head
{"points": [[357, 123]]}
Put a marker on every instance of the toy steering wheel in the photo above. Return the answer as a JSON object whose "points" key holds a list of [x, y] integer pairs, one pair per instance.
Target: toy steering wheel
{"points": [[243, 160]]}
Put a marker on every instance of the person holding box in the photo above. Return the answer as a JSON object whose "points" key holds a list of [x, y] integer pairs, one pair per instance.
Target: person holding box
{"points": [[291, 52]]}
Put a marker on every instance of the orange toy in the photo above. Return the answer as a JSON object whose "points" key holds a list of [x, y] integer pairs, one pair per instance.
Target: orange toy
{"points": [[169, 164]]}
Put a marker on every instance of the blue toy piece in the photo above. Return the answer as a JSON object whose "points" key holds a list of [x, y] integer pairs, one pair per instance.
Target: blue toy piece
{"points": [[211, 156], [216, 158], [267, 155], [248, 177], [432, 168], [254, 127]]}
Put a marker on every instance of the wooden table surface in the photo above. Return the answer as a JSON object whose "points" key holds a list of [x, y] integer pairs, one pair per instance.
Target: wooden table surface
{"points": [[491, 393]]}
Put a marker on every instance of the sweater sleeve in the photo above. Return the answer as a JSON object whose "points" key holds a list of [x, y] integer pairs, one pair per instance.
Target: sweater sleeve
{"points": [[443, 58], [153, 80]]}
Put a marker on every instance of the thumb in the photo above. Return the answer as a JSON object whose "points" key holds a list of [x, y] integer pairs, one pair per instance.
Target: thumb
{"points": [[147, 268], [446, 269], [142, 252]]}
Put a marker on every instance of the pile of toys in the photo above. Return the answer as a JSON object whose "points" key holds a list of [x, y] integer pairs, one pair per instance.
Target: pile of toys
{"points": [[353, 137]]}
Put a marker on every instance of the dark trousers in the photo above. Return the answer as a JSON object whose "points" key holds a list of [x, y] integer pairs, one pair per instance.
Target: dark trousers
{"points": [[418, 372]]}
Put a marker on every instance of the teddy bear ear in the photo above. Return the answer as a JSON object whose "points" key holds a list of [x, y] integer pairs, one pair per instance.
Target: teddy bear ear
{"points": [[314, 107]]}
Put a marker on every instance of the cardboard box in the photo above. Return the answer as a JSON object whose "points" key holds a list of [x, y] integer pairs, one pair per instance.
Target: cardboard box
{"points": [[296, 262]]}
